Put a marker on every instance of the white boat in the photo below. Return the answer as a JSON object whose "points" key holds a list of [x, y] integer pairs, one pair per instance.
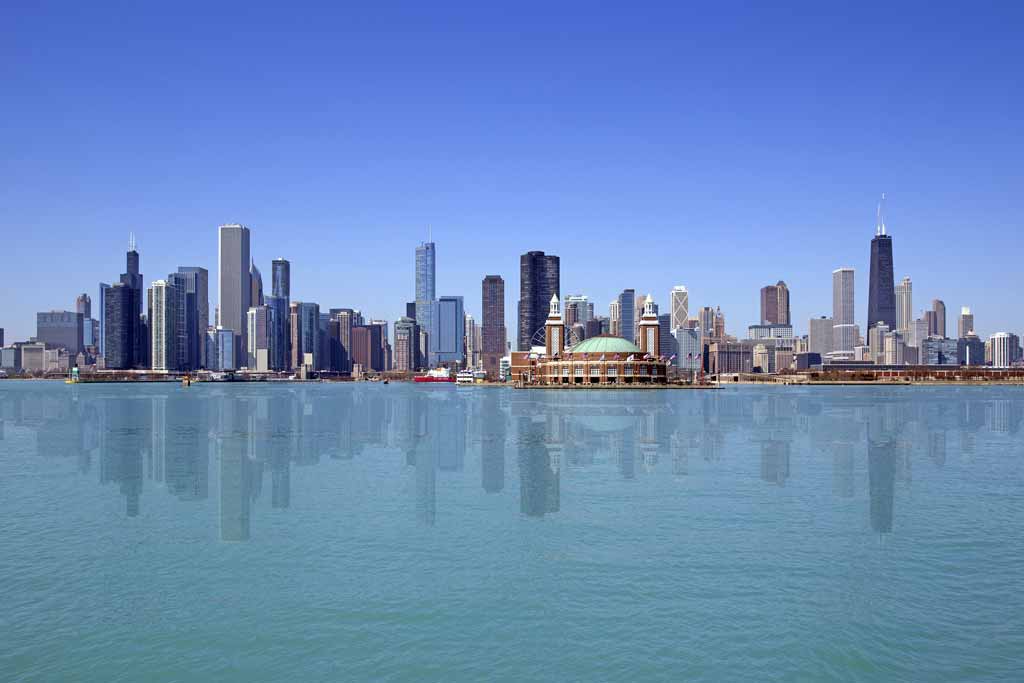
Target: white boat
{"points": [[465, 377]]}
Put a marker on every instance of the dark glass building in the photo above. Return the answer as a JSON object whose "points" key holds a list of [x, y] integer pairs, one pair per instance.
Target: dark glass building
{"points": [[539, 280], [61, 329], [121, 327], [881, 289], [492, 326]]}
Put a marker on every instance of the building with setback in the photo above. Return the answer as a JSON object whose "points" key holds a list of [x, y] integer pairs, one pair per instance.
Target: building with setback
{"points": [[539, 280], [234, 285], [881, 290]]}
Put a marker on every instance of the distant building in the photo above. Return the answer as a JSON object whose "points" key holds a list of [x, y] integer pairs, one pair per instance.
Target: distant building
{"points": [[367, 348], [820, 334], [194, 281], [1005, 349], [965, 323], [280, 336], [309, 339], [731, 357], [627, 315], [33, 357], [706, 319], [688, 348], [539, 280], [938, 351], [121, 327], [842, 296], [260, 337], [970, 350], [904, 305], [406, 339], [939, 307], [234, 287], [255, 285], [932, 321], [775, 304], [894, 348], [448, 348], [876, 341], [808, 360], [61, 329], [614, 319], [493, 333], [426, 293], [881, 291], [163, 326], [772, 331], [679, 306], [917, 332]]}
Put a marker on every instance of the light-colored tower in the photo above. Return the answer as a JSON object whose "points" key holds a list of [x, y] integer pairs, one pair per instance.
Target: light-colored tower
{"points": [[554, 330], [842, 296], [615, 319], [965, 323], [234, 287], [649, 330], [904, 305], [680, 306], [163, 331]]}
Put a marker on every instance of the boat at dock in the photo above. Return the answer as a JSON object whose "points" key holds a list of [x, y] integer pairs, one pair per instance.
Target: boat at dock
{"points": [[435, 375]]}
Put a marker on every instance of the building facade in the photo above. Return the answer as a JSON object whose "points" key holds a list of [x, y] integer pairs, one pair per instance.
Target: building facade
{"points": [[881, 290], [679, 307], [234, 291], [775, 304], [493, 334], [539, 280], [904, 305]]}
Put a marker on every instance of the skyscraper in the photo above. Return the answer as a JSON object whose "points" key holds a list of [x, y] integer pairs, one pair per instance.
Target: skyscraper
{"points": [[101, 342], [679, 300], [775, 304], [132, 278], [256, 285], [426, 292], [539, 280], [965, 323], [904, 305], [279, 327], [188, 335], [820, 335], [261, 332], [493, 334], [163, 326], [121, 324], [844, 335], [627, 314], [450, 325], [235, 288], [281, 278], [281, 287], [406, 339], [196, 281], [881, 291], [614, 319], [707, 322], [62, 329], [939, 307], [309, 351]]}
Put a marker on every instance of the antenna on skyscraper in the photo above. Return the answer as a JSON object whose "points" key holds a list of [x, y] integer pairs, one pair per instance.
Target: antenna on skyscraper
{"points": [[880, 224], [131, 241]]}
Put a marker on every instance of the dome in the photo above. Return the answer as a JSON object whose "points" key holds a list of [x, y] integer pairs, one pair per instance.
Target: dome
{"points": [[605, 344]]}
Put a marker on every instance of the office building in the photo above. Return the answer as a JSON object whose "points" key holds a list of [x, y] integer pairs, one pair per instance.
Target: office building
{"points": [[876, 342], [668, 342], [83, 305], [773, 331], [220, 349], [101, 343], [195, 281], [188, 327], [842, 296], [306, 343], [163, 326], [261, 335], [539, 280], [614, 319], [904, 305], [939, 311], [970, 350], [255, 285], [1005, 349], [688, 348], [775, 304], [493, 334], [406, 339], [938, 351], [281, 278], [965, 323], [279, 332], [234, 291], [121, 327], [706, 319], [679, 306], [932, 323], [820, 335], [881, 290], [894, 348], [627, 315], [346, 318], [426, 292], [447, 349], [367, 348], [61, 329]]}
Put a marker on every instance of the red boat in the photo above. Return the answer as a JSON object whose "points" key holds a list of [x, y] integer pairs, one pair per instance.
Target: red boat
{"points": [[436, 375]]}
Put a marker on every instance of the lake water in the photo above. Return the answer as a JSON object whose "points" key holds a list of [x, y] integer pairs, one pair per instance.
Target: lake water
{"points": [[304, 532]]}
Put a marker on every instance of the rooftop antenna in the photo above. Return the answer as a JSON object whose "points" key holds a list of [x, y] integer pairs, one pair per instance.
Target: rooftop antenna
{"points": [[131, 241], [430, 234], [880, 222]]}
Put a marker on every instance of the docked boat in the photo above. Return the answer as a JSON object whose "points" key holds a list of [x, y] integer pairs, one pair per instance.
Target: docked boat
{"points": [[465, 377], [435, 375]]}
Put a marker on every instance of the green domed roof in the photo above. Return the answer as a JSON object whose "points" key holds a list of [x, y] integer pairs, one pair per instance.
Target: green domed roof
{"points": [[605, 344]]}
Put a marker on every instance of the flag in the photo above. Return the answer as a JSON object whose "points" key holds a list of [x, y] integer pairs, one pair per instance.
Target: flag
{"points": [[672, 358], [602, 357]]}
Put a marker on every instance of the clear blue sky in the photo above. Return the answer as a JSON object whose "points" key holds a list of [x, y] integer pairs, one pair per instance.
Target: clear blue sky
{"points": [[722, 147]]}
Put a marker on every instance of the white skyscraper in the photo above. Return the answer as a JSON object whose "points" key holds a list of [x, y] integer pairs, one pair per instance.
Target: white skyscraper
{"points": [[1004, 349], [680, 307], [904, 305], [965, 323], [163, 331], [844, 333]]}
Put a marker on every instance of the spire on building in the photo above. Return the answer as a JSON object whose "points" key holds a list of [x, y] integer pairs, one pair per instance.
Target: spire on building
{"points": [[880, 219], [131, 241]]}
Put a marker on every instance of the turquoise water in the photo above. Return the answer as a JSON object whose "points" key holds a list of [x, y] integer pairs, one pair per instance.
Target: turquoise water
{"points": [[349, 532]]}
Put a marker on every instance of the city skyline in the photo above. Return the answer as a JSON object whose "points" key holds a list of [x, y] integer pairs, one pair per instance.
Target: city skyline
{"points": [[719, 141]]}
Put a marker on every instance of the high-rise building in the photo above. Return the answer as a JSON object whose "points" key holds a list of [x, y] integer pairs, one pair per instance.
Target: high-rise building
{"points": [[61, 329], [842, 296], [931, 320], [970, 350], [539, 280], [469, 343], [775, 304], [939, 307], [281, 278], [493, 333], [346, 321], [965, 323], [667, 341], [406, 340], [83, 305], [163, 325], [614, 319], [295, 334], [904, 305], [101, 342], [132, 279], [120, 327], [450, 324], [235, 288], [706, 321], [894, 348], [368, 347], [876, 342], [426, 291], [679, 305], [188, 342], [309, 350], [576, 309], [820, 335], [261, 336], [197, 281], [1005, 349], [279, 332], [255, 285], [627, 315], [719, 328], [881, 290], [918, 332]]}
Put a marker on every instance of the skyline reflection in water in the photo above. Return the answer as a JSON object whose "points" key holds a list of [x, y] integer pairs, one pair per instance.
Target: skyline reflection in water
{"points": [[235, 441]]}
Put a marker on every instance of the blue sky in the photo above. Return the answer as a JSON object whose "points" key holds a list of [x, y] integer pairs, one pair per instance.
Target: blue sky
{"points": [[722, 147]]}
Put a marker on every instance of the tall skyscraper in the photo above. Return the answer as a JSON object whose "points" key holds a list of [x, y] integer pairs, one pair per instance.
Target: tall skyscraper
{"points": [[627, 314], [775, 304], [426, 291], [261, 336], [904, 306], [406, 340], [279, 328], [121, 325], [164, 326], [309, 352], [614, 319], [189, 337], [820, 335], [234, 288], [539, 280], [679, 300], [83, 305], [346, 321], [844, 332], [493, 333], [707, 322], [939, 306], [965, 323], [281, 278], [256, 285], [451, 331], [881, 290], [101, 343], [132, 278], [196, 281]]}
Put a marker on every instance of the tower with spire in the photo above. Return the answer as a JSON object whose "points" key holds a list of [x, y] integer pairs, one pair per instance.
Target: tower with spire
{"points": [[554, 329], [881, 285], [650, 342]]}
